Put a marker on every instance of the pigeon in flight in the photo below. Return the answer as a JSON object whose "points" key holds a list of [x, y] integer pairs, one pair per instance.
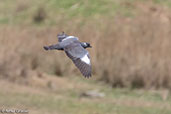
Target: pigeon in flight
{"points": [[75, 50]]}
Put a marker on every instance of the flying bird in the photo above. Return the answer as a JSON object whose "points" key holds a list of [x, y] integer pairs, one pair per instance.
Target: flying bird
{"points": [[75, 50]]}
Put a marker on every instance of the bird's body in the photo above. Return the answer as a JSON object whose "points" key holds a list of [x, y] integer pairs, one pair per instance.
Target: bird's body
{"points": [[75, 50]]}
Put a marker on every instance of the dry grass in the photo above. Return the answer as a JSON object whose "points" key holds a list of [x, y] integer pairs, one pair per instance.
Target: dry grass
{"points": [[66, 98], [127, 51]]}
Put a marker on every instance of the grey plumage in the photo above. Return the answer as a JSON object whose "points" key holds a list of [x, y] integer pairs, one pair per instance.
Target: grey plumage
{"points": [[51, 47], [61, 36], [75, 50]]}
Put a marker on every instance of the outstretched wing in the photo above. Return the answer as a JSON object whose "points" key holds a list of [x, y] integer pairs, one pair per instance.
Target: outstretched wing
{"points": [[80, 58], [52, 47], [61, 36]]}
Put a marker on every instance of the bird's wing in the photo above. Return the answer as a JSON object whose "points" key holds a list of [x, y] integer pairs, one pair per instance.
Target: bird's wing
{"points": [[61, 36], [80, 58], [60, 39], [68, 38], [52, 47]]}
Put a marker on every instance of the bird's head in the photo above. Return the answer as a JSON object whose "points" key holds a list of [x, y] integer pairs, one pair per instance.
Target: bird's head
{"points": [[87, 45]]}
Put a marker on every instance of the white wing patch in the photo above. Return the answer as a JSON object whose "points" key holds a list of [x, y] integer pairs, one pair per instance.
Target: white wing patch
{"points": [[85, 59], [69, 37]]}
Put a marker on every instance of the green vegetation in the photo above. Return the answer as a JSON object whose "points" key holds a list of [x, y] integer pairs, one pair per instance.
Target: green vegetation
{"points": [[22, 12], [68, 101]]}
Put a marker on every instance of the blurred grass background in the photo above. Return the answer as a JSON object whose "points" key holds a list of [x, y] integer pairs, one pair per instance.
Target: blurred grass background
{"points": [[131, 53]]}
